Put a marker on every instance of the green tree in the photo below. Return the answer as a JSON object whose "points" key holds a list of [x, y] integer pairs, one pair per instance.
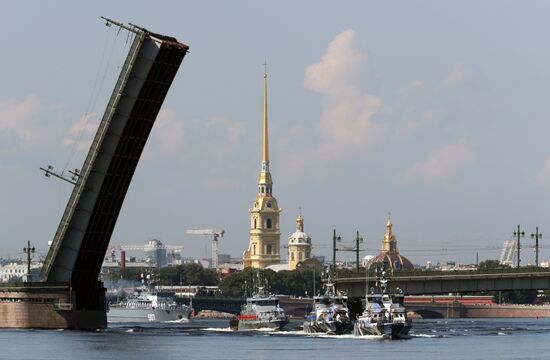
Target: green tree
{"points": [[188, 274], [518, 296], [132, 273], [234, 284], [491, 265], [297, 282]]}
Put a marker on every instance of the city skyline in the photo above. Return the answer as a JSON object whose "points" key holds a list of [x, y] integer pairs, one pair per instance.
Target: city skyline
{"points": [[443, 128]]}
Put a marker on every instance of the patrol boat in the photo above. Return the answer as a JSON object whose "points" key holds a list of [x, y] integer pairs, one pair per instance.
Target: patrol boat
{"points": [[384, 315], [330, 314], [261, 311], [148, 305]]}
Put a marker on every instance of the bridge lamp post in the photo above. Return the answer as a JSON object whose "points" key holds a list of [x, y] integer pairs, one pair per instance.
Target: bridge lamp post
{"points": [[519, 234], [358, 239], [29, 251], [536, 236], [334, 240]]}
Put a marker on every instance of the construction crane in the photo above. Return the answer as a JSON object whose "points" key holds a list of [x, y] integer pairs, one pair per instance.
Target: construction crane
{"points": [[215, 233]]}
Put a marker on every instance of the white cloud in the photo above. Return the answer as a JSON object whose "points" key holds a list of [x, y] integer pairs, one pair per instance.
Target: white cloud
{"points": [[457, 76], [338, 66], [84, 125], [168, 132], [346, 117], [414, 120], [440, 164], [81, 133], [235, 130], [542, 179], [23, 122], [411, 88]]}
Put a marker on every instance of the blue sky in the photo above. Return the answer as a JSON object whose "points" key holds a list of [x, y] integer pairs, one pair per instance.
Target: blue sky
{"points": [[435, 111]]}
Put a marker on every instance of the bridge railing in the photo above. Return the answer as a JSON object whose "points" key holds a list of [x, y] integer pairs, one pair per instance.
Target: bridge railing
{"points": [[441, 282], [447, 273], [32, 285]]}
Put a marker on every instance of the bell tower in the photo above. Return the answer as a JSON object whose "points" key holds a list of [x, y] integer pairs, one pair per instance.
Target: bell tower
{"points": [[264, 247], [299, 245]]}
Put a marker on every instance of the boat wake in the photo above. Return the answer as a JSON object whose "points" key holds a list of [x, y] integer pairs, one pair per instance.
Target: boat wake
{"points": [[346, 336], [430, 336], [266, 330], [227, 329], [178, 321], [289, 333]]}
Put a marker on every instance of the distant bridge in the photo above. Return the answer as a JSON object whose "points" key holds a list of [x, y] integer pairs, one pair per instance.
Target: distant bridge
{"points": [[293, 306], [426, 282], [412, 283], [230, 305]]}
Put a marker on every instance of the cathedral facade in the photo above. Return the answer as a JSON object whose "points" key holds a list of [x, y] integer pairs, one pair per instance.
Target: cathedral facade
{"points": [[264, 247]]}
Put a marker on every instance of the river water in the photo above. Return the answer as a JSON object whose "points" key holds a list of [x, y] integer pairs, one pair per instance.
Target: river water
{"points": [[212, 339]]}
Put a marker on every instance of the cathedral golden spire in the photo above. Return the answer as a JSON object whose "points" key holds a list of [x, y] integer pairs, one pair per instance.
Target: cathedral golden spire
{"points": [[265, 236], [265, 144], [389, 244], [265, 176], [389, 225]]}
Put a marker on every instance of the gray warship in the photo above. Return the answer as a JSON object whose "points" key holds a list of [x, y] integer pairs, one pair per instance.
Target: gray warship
{"points": [[148, 305], [385, 314], [330, 314], [261, 311]]}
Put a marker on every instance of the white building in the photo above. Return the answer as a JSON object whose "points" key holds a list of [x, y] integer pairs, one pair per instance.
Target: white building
{"points": [[17, 271]]}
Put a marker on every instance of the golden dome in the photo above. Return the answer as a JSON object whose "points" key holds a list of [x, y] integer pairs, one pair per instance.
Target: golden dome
{"points": [[395, 261], [389, 253]]}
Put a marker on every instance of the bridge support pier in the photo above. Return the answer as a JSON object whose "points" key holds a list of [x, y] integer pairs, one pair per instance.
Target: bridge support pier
{"points": [[49, 306]]}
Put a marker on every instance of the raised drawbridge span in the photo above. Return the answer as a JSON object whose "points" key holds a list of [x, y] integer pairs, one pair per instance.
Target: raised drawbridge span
{"points": [[85, 230], [74, 259]]}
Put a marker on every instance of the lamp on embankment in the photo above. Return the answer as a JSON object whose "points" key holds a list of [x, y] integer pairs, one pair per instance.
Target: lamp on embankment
{"points": [[519, 234]]}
